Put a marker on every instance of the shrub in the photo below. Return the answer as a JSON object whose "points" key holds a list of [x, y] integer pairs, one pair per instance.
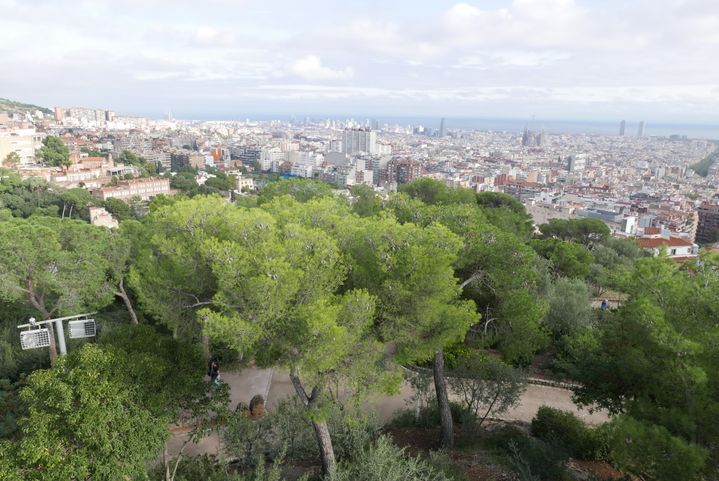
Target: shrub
{"points": [[383, 461], [565, 430], [486, 385], [531, 458], [653, 452], [427, 417], [287, 432]]}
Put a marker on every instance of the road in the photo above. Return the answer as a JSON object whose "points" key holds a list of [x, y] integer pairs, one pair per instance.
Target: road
{"points": [[275, 385]]}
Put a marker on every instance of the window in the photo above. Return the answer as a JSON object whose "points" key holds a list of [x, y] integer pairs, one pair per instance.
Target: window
{"points": [[673, 252]]}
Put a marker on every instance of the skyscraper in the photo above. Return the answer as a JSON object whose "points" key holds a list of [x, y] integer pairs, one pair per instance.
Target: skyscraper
{"points": [[576, 162], [441, 127], [708, 225], [622, 127], [640, 130], [359, 140]]}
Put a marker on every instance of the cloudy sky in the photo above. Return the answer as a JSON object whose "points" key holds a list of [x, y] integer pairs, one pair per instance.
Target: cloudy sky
{"points": [[556, 59]]}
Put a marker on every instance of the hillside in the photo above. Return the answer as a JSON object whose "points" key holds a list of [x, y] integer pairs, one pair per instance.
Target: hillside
{"points": [[12, 106]]}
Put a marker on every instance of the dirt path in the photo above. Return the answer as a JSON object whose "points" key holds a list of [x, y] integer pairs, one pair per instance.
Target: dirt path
{"points": [[275, 386]]}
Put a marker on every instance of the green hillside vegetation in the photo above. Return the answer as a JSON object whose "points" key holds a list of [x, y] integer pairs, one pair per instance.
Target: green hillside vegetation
{"points": [[13, 106], [444, 288], [702, 167]]}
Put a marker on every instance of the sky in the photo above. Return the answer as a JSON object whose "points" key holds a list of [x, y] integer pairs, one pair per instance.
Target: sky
{"points": [[656, 60]]}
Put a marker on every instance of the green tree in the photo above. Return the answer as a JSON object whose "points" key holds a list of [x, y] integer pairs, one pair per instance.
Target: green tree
{"points": [[27, 197], [497, 270], [410, 269], [83, 422], [486, 385], [506, 213], [77, 199], [652, 452], [12, 159], [366, 203], [130, 158], [58, 267], [300, 189], [54, 152], [569, 307], [118, 208], [567, 258], [219, 183], [432, 191], [653, 358], [586, 231], [268, 290], [281, 308]]}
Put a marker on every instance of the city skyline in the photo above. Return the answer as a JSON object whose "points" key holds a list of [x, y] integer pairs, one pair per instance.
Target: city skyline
{"points": [[557, 59]]}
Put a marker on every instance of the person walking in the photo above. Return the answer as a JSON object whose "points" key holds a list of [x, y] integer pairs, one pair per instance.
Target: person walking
{"points": [[213, 370]]}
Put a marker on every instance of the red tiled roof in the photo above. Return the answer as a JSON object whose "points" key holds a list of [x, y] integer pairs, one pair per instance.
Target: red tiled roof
{"points": [[652, 230], [653, 243]]}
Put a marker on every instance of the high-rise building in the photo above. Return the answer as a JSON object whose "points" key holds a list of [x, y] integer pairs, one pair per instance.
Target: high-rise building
{"points": [[640, 130], [532, 138], [708, 226], [400, 171], [359, 140], [441, 128], [576, 162], [622, 127], [183, 159]]}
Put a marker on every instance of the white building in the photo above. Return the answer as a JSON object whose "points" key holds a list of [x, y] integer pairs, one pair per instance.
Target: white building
{"points": [[24, 142], [270, 157], [577, 162], [363, 140], [302, 170]]}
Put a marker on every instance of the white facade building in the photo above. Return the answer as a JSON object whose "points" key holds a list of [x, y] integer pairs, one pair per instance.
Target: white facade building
{"points": [[24, 142], [355, 141]]}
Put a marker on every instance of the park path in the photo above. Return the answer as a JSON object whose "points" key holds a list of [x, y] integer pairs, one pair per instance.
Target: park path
{"points": [[275, 385]]}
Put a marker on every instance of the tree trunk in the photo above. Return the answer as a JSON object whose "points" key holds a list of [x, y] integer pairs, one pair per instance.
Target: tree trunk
{"points": [[445, 414], [327, 453], [324, 440], [70, 214], [166, 462], [122, 294], [206, 346]]}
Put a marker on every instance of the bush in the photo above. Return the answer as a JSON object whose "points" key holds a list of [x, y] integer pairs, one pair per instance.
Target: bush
{"points": [[208, 468], [383, 461], [288, 433], [653, 452], [428, 417], [566, 431], [486, 385], [531, 458]]}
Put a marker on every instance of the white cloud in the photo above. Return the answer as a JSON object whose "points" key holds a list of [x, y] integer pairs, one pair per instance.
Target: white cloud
{"points": [[310, 68], [464, 54]]}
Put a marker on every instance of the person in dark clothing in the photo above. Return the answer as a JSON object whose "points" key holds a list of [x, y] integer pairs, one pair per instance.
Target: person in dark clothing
{"points": [[605, 305], [213, 369]]}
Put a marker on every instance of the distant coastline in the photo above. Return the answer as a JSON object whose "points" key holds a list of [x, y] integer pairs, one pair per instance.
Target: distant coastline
{"points": [[662, 129]]}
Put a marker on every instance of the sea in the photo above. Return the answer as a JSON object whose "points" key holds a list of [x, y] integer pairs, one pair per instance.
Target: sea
{"points": [[554, 126]]}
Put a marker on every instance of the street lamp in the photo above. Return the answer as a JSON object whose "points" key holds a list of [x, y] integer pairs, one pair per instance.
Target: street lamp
{"points": [[35, 337]]}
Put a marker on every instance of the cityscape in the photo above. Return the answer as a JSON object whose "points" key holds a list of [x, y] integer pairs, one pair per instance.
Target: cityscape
{"points": [[359, 241], [641, 186]]}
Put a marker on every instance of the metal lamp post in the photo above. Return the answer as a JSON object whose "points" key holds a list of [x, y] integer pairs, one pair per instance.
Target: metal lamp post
{"points": [[36, 336]]}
